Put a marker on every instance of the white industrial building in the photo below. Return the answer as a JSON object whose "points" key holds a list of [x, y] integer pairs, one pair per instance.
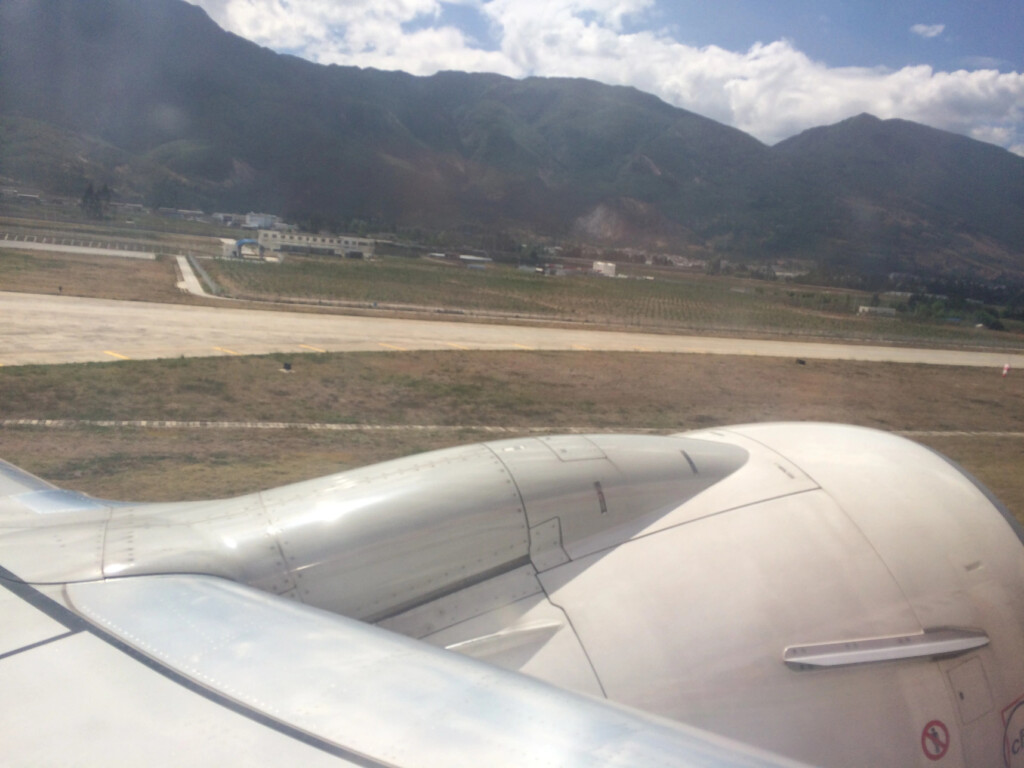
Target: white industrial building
{"points": [[304, 242], [883, 311], [260, 220], [240, 249], [606, 268]]}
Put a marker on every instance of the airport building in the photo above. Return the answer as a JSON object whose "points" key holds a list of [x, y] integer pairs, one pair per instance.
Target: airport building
{"points": [[240, 249], [303, 242], [260, 220], [882, 311]]}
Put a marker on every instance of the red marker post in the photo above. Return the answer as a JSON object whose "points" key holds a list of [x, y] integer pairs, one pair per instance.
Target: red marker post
{"points": [[1006, 370]]}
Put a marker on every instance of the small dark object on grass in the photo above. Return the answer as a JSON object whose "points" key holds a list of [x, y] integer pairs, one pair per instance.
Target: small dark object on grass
{"points": [[286, 367], [801, 361]]}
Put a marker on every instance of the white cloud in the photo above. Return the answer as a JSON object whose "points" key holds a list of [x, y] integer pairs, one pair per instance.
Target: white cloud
{"points": [[928, 30], [772, 91], [317, 25]]}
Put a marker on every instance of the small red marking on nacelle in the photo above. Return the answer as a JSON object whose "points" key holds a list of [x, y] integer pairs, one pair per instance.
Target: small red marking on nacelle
{"points": [[935, 740]]}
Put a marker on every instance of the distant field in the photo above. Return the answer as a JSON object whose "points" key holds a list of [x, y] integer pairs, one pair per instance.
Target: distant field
{"points": [[101, 277], [466, 392], [145, 226], [671, 302], [690, 302]]}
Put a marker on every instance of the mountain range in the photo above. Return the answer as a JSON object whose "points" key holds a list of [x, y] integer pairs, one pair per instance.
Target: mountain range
{"points": [[152, 98]]}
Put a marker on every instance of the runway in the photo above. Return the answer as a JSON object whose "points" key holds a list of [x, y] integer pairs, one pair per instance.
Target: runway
{"points": [[38, 329]]}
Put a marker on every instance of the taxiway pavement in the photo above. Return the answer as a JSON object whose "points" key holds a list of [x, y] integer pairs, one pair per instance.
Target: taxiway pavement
{"points": [[42, 329]]}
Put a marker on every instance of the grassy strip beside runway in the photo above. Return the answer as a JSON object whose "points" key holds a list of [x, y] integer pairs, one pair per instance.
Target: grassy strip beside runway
{"points": [[463, 395]]}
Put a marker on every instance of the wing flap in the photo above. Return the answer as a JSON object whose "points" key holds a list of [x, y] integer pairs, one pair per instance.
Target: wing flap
{"points": [[375, 697]]}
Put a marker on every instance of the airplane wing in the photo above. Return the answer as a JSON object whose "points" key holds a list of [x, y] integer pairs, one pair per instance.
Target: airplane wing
{"points": [[25, 497], [185, 669]]}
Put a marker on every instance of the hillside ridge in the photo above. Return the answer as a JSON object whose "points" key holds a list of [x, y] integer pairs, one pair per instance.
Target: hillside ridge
{"points": [[152, 98]]}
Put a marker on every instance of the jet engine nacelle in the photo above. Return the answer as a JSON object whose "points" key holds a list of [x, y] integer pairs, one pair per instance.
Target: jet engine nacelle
{"points": [[834, 594]]}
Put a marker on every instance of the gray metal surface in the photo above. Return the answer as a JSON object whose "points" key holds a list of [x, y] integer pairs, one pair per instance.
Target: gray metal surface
{"points": [[665, 573], [691, 623], [16, 480], [387, 699], [375, 542], [602, 489], [936, 642], [69, 697], [372, 542]]}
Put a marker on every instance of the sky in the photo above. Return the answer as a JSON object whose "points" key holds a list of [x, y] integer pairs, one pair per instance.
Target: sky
{"points": [[771, 69]]}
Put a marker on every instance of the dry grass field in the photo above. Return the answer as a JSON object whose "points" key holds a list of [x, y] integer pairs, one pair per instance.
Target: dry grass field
{"points": [[95, 277], [402, 403], [668, 301]]}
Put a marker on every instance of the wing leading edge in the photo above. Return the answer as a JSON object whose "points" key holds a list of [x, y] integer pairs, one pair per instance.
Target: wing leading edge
{"points": [[370, 697]]}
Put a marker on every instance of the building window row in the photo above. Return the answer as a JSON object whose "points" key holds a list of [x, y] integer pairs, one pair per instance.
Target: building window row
{"points": [[311, 239]]}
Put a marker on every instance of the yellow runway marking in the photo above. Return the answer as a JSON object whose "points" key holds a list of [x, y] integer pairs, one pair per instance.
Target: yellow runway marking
{"points": [[115, 354], [227, 351], [457, 346], [315, 349], [521, 346], [392, 346], [580, 349]]}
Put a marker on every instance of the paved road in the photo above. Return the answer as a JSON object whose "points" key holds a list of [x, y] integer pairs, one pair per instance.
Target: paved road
{"points": [[64, 329], [189, 281]]}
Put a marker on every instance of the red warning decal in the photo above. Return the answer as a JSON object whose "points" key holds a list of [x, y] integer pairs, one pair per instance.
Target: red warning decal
{"points": [[1013, 734], [935, 740]]}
